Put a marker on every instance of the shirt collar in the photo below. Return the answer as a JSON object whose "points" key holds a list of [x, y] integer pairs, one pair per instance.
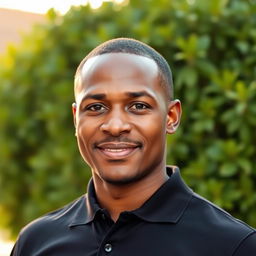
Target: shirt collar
{"points": [[88, 209], [167, 204]]}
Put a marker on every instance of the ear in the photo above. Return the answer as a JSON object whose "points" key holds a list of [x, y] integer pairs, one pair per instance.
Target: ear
{"points": [[173, 116], [74, 108]]}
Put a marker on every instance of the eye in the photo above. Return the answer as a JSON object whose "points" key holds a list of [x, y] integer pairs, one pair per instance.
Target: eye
{"points": [[95, 108], [139, 107]]}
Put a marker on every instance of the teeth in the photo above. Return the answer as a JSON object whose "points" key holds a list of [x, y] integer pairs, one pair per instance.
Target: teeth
{"points": [[115, 149]]}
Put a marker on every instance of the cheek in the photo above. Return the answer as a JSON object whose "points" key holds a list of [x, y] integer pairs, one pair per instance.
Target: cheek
{"points": [[154, 129], [84, 145], [85, 132], [86, 127]]}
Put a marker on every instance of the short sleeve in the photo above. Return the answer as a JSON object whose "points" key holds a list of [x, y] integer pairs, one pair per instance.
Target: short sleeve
{"points": [[247, 246], [14, 251]]}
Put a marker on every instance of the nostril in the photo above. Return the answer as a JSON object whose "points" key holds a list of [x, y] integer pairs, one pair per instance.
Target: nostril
{"points": [[115, 127]]}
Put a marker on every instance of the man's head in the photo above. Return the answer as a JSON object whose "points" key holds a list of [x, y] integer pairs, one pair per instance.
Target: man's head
{"points": [[122, 112], [132, 46]]}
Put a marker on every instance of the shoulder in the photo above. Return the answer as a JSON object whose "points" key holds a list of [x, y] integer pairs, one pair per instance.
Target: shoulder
{"points": [[48, 226], [225, 229], [247, 246], [62, 215], [210, 212]]}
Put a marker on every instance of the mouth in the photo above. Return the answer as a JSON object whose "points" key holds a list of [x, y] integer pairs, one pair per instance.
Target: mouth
{"points": [[117, 151]]}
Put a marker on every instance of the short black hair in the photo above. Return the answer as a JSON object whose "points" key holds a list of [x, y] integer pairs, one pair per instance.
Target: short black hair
{"points": [[132, 46]]}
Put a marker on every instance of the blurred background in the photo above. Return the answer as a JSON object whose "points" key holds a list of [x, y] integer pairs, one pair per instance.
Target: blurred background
{"points": [[211, 48]]}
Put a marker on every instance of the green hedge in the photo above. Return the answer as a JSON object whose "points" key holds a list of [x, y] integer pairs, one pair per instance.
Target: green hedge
{"points": [[211, 47]]}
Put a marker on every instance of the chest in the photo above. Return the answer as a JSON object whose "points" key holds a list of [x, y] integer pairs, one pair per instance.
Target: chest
{"points": [[132, 238]]}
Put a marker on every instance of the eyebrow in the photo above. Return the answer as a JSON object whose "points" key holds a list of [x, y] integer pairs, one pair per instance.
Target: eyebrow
{"points": [[98, 96], [102, 96], [138, 94]]}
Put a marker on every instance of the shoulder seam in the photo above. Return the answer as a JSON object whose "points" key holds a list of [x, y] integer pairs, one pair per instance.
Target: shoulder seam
{"points": [[242, 241], [198, 197]]}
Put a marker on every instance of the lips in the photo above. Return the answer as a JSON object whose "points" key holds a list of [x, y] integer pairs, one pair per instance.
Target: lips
{"points": [[118, 150]]}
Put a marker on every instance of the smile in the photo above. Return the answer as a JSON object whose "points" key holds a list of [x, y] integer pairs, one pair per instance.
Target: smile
{"points": [[117, 150]]}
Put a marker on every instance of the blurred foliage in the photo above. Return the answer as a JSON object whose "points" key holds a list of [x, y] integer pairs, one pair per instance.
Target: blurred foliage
{"points": [[211, 47]]}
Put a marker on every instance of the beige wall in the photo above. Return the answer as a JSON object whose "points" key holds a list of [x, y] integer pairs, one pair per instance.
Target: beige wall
{"points": [[12, 23]]}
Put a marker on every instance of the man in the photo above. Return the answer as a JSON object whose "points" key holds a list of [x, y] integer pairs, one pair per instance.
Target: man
{"points": [[135, 204]]}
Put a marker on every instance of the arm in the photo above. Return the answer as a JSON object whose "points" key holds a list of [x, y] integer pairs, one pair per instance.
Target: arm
{"points": [[247, 246], [15, 250]]}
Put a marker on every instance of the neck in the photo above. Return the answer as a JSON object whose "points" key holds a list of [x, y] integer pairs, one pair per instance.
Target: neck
{"points": [[119, 198]]}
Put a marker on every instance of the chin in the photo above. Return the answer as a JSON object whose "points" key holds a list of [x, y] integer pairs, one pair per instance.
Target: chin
{"points": [[122, 180]]}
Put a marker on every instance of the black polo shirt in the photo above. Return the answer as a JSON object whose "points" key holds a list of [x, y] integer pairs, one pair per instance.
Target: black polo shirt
{"points": [[174, 221]]}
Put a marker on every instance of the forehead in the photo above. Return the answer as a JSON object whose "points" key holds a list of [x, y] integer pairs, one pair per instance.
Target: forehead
{"points": [[139, 62], [121, 71]]}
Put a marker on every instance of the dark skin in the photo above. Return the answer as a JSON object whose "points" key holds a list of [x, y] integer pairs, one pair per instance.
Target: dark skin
{"points": [[122, 117]]}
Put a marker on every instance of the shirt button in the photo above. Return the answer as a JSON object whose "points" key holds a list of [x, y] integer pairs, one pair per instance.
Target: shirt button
{"points": [[108, 247]]}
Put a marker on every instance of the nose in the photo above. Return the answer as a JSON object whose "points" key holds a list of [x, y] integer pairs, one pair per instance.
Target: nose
{"points": [[116, 124]]}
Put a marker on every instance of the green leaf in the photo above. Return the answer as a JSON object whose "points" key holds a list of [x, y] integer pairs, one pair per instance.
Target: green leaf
{"points": [[228, 169]]}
